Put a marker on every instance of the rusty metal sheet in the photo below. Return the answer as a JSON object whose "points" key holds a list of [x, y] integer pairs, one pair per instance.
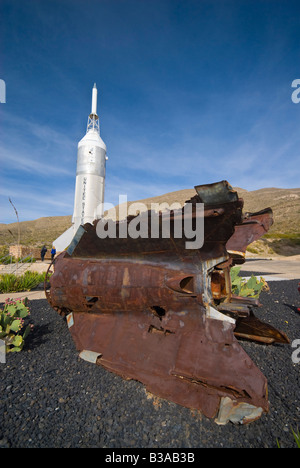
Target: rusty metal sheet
{"points": [[151, 310], [252, 227]]}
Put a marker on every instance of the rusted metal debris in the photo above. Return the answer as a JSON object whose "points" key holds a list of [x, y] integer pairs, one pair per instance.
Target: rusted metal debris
{"points": [[151, 310]]}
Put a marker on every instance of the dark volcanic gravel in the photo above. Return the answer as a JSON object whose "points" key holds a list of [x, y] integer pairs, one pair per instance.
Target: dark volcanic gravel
{"points": [[52, 398]]}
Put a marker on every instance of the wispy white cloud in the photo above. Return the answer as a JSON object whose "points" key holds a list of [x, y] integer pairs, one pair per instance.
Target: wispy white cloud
{"points": [[262, 153], [33, 204], [36, 170], [19, 158], [38, 148]]}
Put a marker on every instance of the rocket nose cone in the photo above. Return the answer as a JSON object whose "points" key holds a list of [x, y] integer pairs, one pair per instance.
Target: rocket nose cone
{"points": [[94, 100]]}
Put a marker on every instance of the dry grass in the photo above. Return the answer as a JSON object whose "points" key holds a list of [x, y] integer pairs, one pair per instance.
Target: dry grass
{"points": [[35, 233]]}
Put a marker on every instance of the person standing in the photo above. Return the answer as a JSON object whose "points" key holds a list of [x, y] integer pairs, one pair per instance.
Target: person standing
{"points": [[53, 252], [43, 252]]}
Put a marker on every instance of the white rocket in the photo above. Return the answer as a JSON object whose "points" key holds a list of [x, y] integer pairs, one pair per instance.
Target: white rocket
{"points": [[90, 178], [90, 174]]}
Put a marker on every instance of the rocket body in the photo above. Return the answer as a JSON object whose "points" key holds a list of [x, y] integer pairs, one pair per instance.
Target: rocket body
{"points": [[90, 178], [90, 172]]}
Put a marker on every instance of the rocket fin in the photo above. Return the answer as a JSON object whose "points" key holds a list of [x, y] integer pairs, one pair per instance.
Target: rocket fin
{"points": [[65, 239]]}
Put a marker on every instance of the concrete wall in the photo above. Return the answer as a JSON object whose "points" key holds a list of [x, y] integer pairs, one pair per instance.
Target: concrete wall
{"points": [[23, 250]]}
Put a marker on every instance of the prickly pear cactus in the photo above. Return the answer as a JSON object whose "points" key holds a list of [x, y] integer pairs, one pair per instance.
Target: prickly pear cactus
{"points": [[12, 329], [247, 288]]}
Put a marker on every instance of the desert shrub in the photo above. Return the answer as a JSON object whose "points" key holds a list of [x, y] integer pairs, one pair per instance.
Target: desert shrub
{"points": [[7, 259], [13, 283]]}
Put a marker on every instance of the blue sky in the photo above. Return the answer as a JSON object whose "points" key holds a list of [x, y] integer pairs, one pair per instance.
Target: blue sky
{"points": [[189, 92]]}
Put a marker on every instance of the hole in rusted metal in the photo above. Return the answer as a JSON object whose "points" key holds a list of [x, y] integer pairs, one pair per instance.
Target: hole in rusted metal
{"points": [[187, 284], [98, 360], [91, 300], [218, 285], [153, 329], [237, 393], [158, 311]]}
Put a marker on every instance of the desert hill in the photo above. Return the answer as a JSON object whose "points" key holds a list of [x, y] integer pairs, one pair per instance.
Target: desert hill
{"points": [[35, 233], [283, 237]]}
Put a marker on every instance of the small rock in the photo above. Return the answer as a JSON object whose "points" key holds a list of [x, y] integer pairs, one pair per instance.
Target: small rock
{"points": [[4, 443]]}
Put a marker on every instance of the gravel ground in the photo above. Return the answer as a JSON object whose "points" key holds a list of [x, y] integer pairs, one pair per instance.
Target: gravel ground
{"points": [[52, 398]]}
